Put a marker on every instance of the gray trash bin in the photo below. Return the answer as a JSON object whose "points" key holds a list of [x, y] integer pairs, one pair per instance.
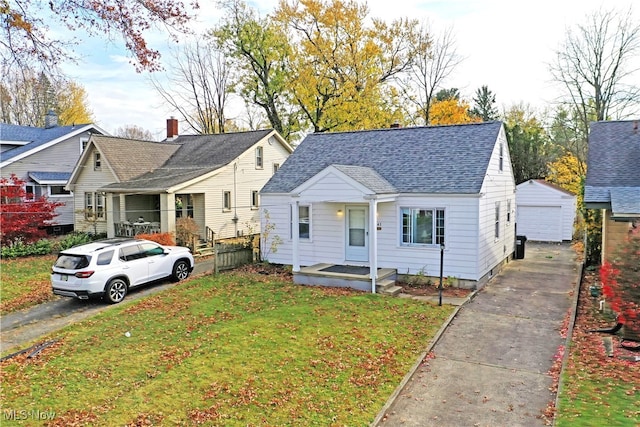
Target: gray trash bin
{"points": [[520, 243]]}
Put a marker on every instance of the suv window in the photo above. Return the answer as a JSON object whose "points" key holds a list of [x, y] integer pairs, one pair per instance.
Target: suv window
{"points": [[105, 258], [149, 249], [72, 262], [129, 253]]}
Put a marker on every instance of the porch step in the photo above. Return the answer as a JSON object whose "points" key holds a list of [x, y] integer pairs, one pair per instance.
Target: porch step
{"points": [[388, 287]]}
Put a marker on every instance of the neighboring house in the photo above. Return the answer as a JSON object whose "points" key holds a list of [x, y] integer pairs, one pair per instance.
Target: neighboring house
{"points": [[215, 179], [544, 211], [390, 198], [44, 159], [613, 179]]}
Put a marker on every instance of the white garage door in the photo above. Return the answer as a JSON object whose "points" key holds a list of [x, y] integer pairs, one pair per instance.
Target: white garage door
{"points": [[543, 223]]}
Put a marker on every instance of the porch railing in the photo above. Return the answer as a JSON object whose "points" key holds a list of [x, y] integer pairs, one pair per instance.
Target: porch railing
{"points": [[131, 229]]}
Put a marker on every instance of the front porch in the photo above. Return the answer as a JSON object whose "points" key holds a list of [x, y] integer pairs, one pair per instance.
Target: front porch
{"points": [[347, 276]]}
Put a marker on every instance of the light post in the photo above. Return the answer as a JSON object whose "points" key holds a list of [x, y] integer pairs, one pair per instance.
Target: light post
{"points": [[441, 273]]}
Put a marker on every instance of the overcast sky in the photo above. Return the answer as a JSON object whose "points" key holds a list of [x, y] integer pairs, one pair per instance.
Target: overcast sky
{"points": [[506, 45]]}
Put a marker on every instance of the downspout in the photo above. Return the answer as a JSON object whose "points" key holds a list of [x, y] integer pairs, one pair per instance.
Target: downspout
{"points": [[295, 236], [235, 199], [373, 243]]}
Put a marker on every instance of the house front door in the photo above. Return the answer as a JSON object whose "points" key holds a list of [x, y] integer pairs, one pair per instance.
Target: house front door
{"points": [[357, 234]]}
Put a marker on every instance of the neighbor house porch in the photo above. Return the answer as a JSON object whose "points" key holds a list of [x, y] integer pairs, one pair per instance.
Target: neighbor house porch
{"points": [[129, 215]]}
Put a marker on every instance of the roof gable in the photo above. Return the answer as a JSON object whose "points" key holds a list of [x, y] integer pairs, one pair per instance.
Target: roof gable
{"points": [[546, 185], [35, 139], [435, 159]]}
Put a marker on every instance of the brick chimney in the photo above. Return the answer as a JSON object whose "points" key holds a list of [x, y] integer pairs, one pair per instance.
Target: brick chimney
{"points": [[50, 120], [172, 128]]}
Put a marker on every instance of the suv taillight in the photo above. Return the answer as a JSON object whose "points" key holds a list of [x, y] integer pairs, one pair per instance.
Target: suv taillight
{"points": [[84, 274]]}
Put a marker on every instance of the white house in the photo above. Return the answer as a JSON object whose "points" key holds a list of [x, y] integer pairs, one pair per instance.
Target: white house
{"points": [[389, 199], [544, 211], [127, 187], [43, 157]]}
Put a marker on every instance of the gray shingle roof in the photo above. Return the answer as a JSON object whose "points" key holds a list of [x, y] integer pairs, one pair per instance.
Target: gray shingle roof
{"points": [[437, 159], [613, 165], [625, 200], [367, 177], [36, 136], [45, 177], [129, 158], [195, 156]]}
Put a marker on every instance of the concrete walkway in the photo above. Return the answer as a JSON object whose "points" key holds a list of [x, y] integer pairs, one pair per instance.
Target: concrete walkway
{"points": [[491, 363]]}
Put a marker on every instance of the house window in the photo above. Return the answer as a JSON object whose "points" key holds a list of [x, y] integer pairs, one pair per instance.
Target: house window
{"points": [[96, 161], [304, 222], [259, 158], [422, 226], [497, 230], [501, 163], [226, 200], [83, 144], [93, 206], [508, 211], [58, 191], [276, 166], [254, 199]]}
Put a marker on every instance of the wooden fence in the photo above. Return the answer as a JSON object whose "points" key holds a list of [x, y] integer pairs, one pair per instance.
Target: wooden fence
{"points": [[228, 256]]}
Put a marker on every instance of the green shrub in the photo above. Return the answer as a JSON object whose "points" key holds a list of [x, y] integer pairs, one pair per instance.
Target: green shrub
{"points": [[19, 249], [73, 239]]}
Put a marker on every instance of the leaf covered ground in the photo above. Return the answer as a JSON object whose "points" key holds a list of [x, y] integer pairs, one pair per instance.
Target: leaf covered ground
{"points": [[25, 282], [598, 389], [241, 348]]}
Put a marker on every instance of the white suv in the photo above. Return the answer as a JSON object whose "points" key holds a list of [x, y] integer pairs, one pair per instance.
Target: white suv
{"points": [[108, 268]]}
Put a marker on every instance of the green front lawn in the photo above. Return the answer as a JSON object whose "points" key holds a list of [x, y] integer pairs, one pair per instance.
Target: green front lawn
{"points": [[25, 282], [234, 349]]}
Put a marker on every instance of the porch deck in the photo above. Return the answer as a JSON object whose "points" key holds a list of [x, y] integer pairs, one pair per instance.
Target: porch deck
{"points": [[347, 276]]}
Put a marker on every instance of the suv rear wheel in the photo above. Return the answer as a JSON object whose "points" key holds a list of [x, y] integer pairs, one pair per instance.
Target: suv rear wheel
{"points": [[115, 291], [180, 270]]}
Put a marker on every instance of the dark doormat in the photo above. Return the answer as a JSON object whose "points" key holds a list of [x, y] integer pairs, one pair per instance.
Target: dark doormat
{"points": [[346, 269]]}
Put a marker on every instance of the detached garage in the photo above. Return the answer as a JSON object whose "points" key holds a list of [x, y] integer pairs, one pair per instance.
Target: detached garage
{"points": [[544, 211]]}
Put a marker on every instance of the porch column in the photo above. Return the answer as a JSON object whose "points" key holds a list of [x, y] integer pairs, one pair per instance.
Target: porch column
{"points": [[167, 213], [295, 235], [373, 243], [110, 215]]}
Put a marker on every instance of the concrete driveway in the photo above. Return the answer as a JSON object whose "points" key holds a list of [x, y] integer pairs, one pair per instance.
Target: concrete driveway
{"points": [[491, 363]]}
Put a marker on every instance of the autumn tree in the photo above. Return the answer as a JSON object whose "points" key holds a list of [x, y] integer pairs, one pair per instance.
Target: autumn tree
{"points": [[595, 66], [23, 217], [27, 96], [450, 112], [484, 105], [342, 62], [198, 86], [435, 60], [259, 50], [566, 131], [27, 39], [134, 132], [529, 144]]}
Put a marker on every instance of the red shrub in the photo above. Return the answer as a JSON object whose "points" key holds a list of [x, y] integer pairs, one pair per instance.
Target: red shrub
{"points": [[162, 238]]}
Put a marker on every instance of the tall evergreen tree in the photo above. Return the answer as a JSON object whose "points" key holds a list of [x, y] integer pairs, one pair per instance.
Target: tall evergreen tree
{"points": [[484, 105]]}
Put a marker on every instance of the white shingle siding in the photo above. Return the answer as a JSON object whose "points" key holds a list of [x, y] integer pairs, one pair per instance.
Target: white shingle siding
{"points": [[544, 213]]}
